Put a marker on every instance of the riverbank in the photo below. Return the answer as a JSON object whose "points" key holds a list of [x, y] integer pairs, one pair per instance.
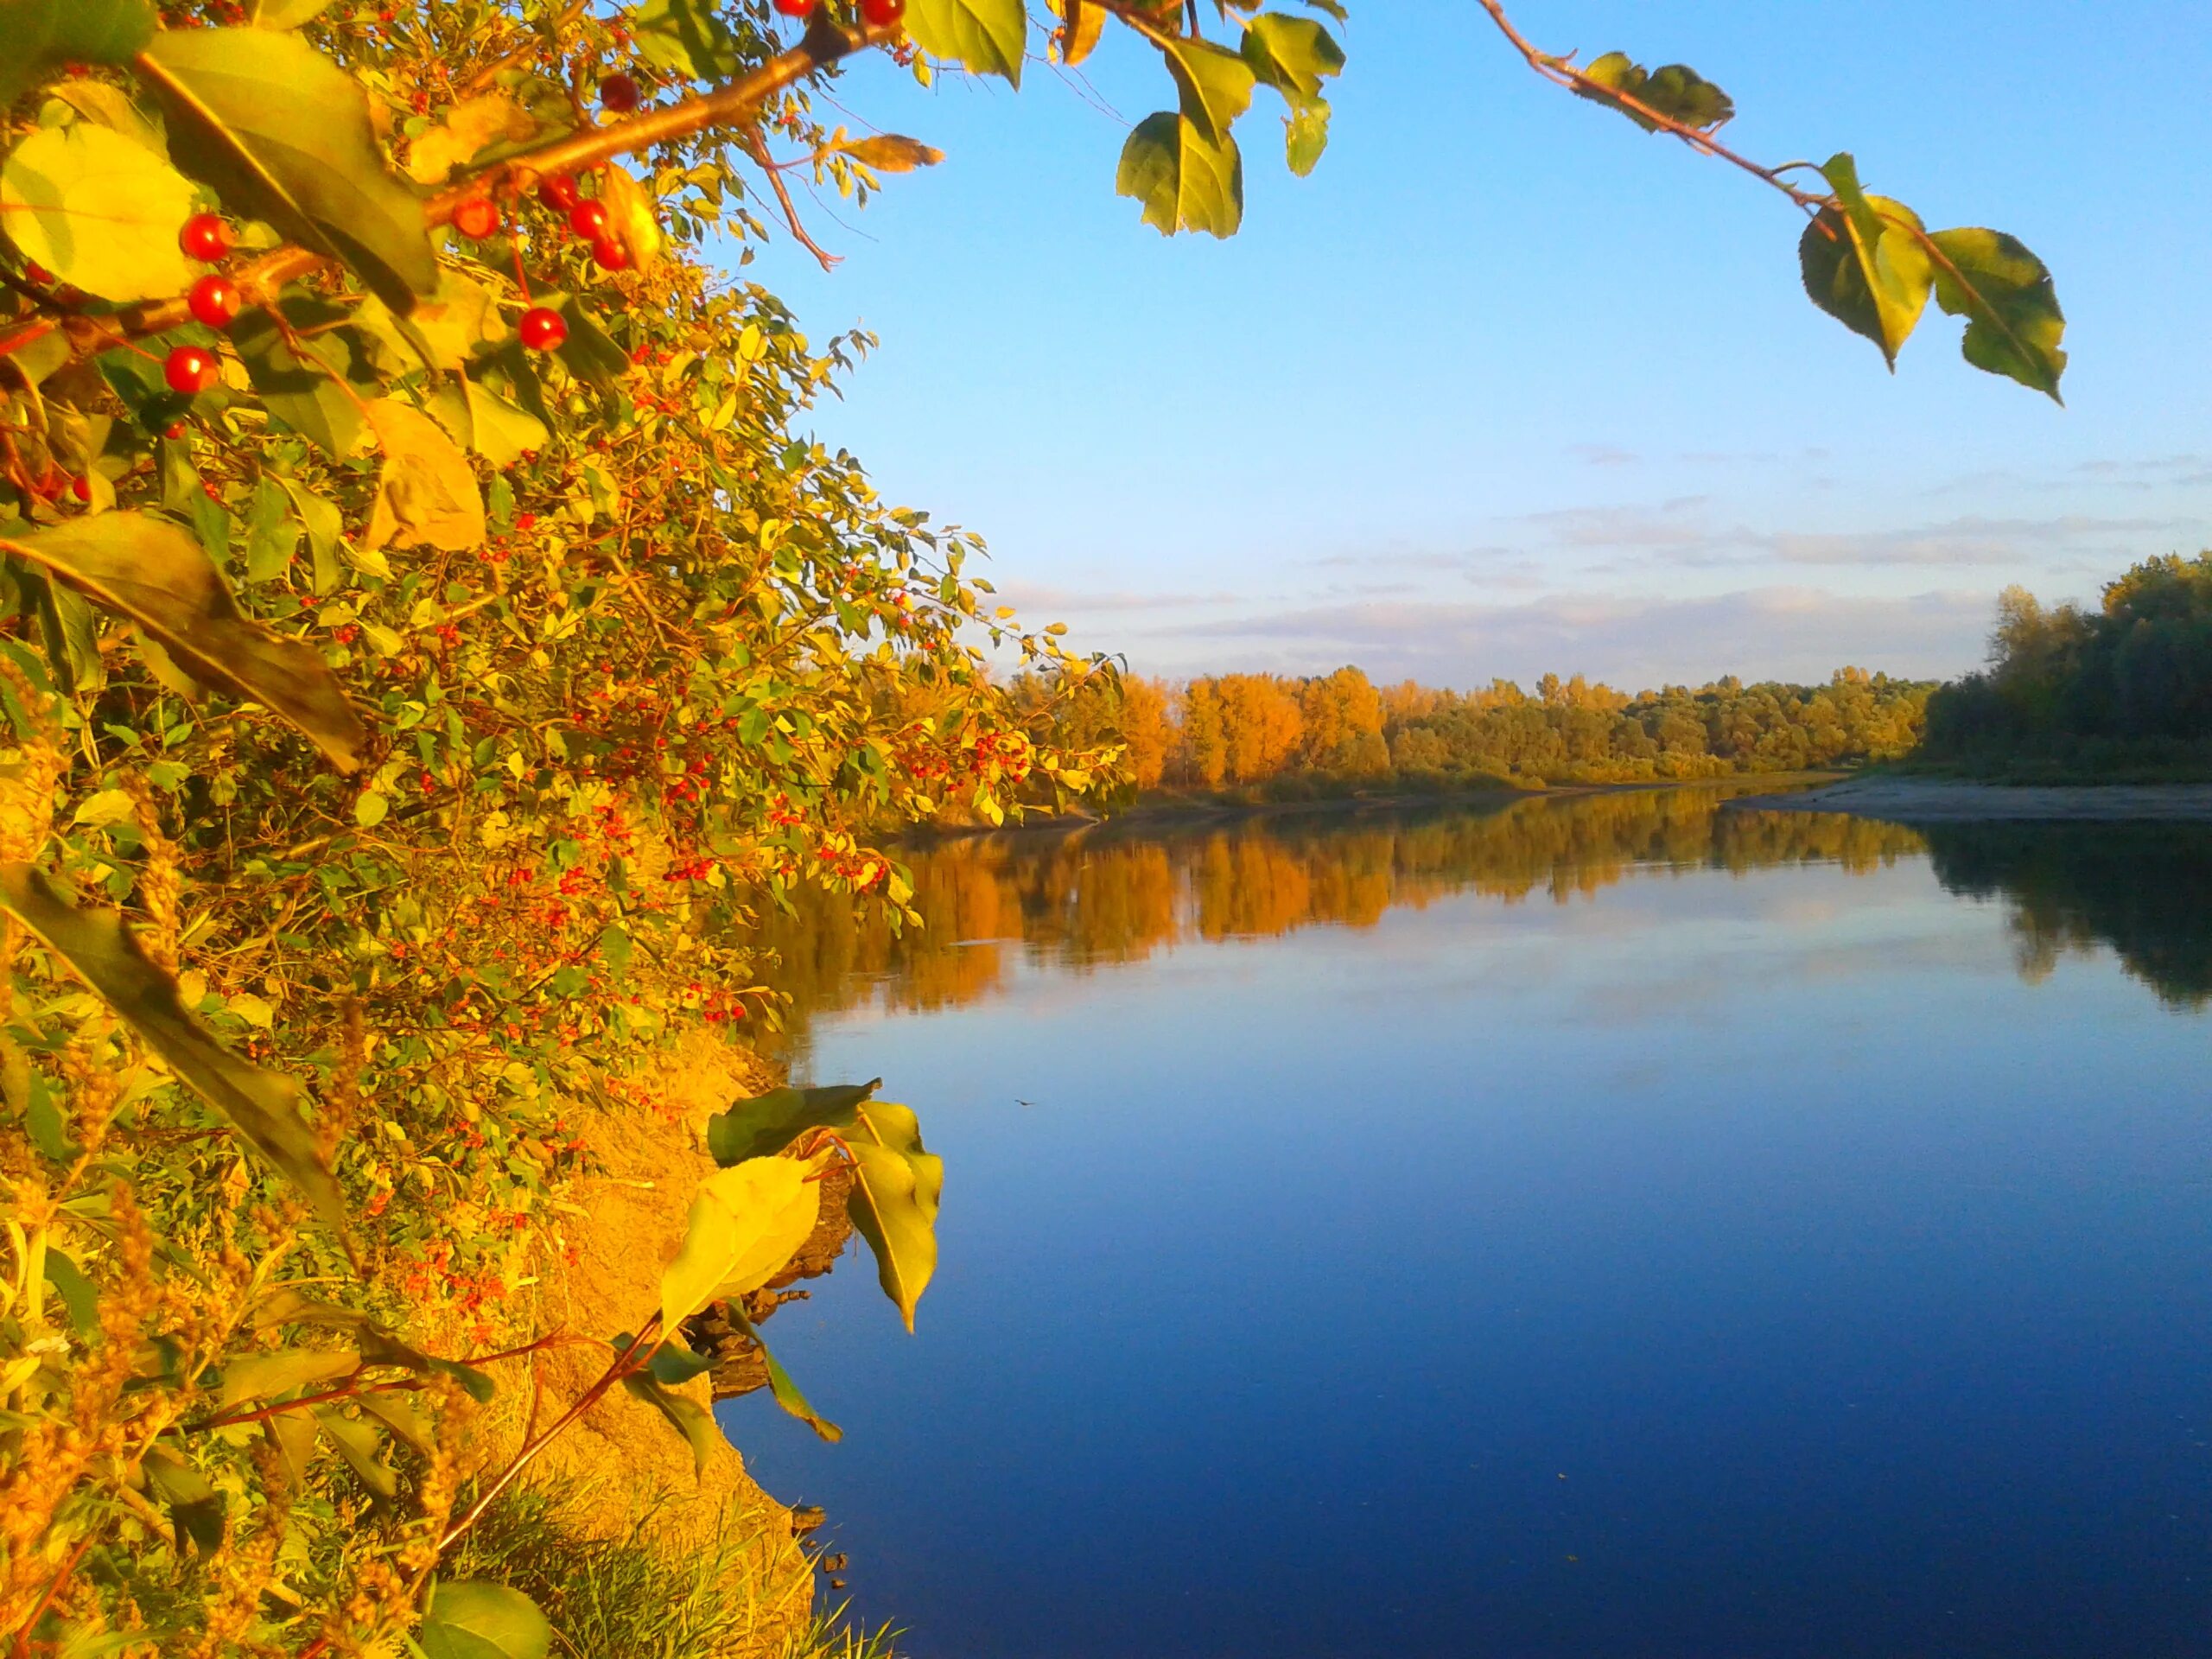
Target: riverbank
{"points": [[1940, 800]]}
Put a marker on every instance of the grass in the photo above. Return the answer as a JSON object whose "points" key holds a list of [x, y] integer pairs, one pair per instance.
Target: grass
{"points": [[628, 1597]]}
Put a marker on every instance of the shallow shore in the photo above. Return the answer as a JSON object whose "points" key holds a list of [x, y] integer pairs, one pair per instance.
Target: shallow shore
{"points": [[1933, 800]]}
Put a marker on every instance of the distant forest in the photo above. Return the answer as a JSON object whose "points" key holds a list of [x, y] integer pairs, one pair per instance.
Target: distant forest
{"points": [[2121, 691], [2126, 689], [1328, 733]]}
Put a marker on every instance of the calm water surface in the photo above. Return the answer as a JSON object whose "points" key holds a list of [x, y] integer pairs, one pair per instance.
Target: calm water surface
{"points": [[1611, 1228]]}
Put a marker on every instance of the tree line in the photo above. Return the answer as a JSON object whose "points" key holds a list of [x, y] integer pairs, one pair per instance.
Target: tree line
{"points": [[2123, 687], [1287, 735]]}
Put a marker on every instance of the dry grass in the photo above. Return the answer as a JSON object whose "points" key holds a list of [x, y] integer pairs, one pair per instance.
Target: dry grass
{"points": [[614, 1502]]}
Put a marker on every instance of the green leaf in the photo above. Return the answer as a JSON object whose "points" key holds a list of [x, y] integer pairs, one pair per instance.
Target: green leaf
{"points": [[293, 1433], [321, 399], [38, 36], [988, 37], [1182, 180], [263, 1106], [1214, 84], [147, 569], [764, 1125], [690, 1418], [323, 525], [780, 1385], [1306, 134], [393, 1410], [263, 1375], [284, 134], [686, 38], [2005, 292], [371, 807], [896, 1188], [589, 351], [500, 431], [273, 533], [472, 1619], [43, 1117], [1863, 263], [671, 1362], [110, 106], [362, 1447], [443, 330], [1293, 56], [79, 1295], [1674, 90], [744, 1224], [195, 1508], [288, 1305], [98, 210], [426, 493], [614, 950]]}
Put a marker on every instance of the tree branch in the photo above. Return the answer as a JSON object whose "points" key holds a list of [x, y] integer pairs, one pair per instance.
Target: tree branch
{"points": [[260, 280], [1561, 73]]}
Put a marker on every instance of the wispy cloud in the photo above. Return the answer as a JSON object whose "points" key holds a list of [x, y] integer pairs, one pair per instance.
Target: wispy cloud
{"points": [[1781, 632], [1032, 599], [1603, 455]]}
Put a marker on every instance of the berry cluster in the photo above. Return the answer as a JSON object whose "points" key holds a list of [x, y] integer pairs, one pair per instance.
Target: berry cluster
{"points": [[877, 14], [213, 300]]}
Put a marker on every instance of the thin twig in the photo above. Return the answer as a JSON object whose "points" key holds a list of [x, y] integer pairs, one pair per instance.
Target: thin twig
{"points": [[1561, 73], [647, 1339], [757, 148]]}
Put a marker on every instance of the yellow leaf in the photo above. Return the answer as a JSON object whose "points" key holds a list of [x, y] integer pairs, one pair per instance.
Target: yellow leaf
{"points": [[630, 218], [98, 210], [747, 1223], [472, 126], [427, 493], [105, 809], [892, 152]]}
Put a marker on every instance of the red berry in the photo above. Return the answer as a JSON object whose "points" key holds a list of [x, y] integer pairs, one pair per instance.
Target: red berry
{"points": [[618, 93], [882, 13], [38, 276], [190, 370], [81, 488], [610, 255], [559, 193], [542, 329], [477, 218], [214, 300], [173, 430], [204, 238], [795, 8], [589, 220]]}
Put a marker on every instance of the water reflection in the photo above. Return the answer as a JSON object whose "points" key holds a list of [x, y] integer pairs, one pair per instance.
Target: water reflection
{"points": [[1119, 892], [2143, 889]]}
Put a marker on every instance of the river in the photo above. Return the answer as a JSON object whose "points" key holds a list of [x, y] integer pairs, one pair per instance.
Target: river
{"points": [[1617, 1227]]}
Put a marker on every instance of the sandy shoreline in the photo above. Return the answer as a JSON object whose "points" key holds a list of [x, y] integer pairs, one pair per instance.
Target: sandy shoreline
{"points": [[1929, 800]]}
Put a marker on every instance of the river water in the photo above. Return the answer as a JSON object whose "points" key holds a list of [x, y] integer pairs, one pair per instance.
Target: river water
{"points": [[1613, 1228]]}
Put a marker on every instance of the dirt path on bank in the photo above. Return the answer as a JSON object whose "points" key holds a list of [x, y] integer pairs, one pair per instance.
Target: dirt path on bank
{"points": [[1932, 800]]}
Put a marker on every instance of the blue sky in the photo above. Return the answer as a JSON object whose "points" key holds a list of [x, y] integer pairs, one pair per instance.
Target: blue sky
{"points": [[1508, 385]]}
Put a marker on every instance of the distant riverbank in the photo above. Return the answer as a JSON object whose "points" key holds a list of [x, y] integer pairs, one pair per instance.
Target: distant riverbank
{"points": [[1935, 800], [1175, 809]]}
